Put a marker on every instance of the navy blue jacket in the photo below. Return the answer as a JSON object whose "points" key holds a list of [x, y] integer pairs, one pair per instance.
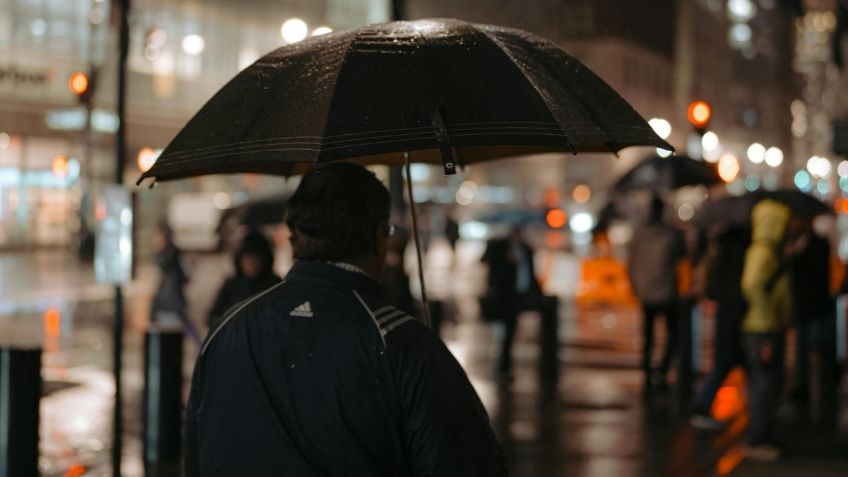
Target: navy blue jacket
{"points": [[318, 376]]}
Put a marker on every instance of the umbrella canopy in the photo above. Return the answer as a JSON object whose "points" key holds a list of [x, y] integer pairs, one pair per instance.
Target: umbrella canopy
{"points": [[515, 217], [736, 210], [449, 92], [655, 172]]}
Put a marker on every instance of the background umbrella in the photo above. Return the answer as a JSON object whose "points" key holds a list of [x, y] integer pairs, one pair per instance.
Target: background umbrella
{"points": [[655, 172], [253, 214], [435, 91], [515, 217], [448, 91], [736, 210]]}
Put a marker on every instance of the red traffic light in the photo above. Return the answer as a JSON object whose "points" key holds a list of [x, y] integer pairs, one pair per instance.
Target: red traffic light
{"points": [[700, 114]]}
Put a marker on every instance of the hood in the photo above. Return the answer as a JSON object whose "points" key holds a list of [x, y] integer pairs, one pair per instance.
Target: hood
{"points": [[768, 221], [255, 243]]}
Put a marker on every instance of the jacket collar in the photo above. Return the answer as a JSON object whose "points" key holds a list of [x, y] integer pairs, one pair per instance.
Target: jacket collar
{"points": [[303, 271]]}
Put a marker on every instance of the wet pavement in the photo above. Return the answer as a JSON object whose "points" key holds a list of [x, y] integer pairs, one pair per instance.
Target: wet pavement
{"points": [[595, 421]]}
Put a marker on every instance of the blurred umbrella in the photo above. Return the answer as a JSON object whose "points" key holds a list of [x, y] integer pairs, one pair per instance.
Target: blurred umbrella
{"points": [[736, 210], [252, 214], [655, 172], [515, 217], [269, 210], [608, 214], [445, 91]]}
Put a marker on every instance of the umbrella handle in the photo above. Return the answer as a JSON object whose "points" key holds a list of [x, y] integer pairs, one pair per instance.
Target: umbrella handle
{"points": [[424, 304]]}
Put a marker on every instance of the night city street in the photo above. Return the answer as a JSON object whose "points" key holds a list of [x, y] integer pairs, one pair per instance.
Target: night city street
{"points": [[403, 238]]}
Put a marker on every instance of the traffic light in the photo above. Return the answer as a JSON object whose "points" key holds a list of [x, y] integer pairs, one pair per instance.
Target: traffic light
{"points": [[82, 85], [699, 115]]}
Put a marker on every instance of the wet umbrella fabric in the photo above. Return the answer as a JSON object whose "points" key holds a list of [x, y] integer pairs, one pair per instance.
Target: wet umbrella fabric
{"points": [[736, 210], [655, 172], [449, 92]]}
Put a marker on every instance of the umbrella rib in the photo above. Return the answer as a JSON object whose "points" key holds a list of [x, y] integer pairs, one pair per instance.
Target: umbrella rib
{"points": [[509, 55]]}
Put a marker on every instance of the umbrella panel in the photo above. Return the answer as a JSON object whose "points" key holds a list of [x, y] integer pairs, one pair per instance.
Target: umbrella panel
{"points": [[384, 89]]}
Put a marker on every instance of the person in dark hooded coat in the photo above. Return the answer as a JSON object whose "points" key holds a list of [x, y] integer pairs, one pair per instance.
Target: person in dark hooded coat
{"points": [[320, 376], [169, 303], [254, 265]]}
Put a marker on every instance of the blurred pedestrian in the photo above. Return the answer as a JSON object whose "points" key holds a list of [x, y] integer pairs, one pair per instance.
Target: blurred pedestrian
{"points": [[724, 292], [653, 256], [451, 232], [814, 313], [169, 302], [512, 287], [319, 375], [767, 288], [254, 273]]}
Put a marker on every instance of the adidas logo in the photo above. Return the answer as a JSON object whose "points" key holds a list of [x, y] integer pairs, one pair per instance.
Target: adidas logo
{"points": [[304, 310]]}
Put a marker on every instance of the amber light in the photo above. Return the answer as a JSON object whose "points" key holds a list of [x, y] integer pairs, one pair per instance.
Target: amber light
{"points": [[700, 113], [556, 218], [78, 83], [59, 166]]}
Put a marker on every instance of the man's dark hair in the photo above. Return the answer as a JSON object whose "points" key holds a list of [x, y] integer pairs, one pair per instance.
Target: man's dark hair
{"points": [[335, 212]]}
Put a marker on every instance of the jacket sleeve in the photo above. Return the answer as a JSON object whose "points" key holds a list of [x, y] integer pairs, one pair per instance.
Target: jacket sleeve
{"points": [[446, 430]]}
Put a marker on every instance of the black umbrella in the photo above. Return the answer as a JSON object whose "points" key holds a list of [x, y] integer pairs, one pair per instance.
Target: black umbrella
{"points": [[655, 172], [446, 91], [515, 217], [736, 210]]}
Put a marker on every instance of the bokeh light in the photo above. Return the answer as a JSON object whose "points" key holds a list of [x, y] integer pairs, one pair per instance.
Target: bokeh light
{"points": [[802, 180], [581, 194], [556, 218], [193, 44], [728, 167], [294, 30], [756, 153], [661, 126]]}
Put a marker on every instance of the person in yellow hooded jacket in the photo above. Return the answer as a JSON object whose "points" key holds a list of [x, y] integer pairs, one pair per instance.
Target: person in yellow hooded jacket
{"points": [[766, 285]]}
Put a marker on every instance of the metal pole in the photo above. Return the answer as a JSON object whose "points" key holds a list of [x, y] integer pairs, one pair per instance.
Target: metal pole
{"points": [[424, 304], [120, 153], [396, 172]]}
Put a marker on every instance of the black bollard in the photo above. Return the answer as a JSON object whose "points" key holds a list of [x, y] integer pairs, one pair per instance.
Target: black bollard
{"points": [[162, 402], [549, 365], [20, 393]]}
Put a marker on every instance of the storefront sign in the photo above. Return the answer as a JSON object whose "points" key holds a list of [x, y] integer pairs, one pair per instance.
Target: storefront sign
{"points": [[12, 75]]}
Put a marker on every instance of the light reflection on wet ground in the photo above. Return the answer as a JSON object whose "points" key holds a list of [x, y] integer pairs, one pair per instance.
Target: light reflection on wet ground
{"points": [[594, 421]]}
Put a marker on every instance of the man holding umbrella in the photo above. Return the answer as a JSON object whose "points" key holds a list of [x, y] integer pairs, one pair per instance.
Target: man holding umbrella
{"points": [[320, 376]]}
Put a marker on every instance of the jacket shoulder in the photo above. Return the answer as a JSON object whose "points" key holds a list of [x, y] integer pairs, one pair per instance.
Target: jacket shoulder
{"points": [[386, 319]]}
